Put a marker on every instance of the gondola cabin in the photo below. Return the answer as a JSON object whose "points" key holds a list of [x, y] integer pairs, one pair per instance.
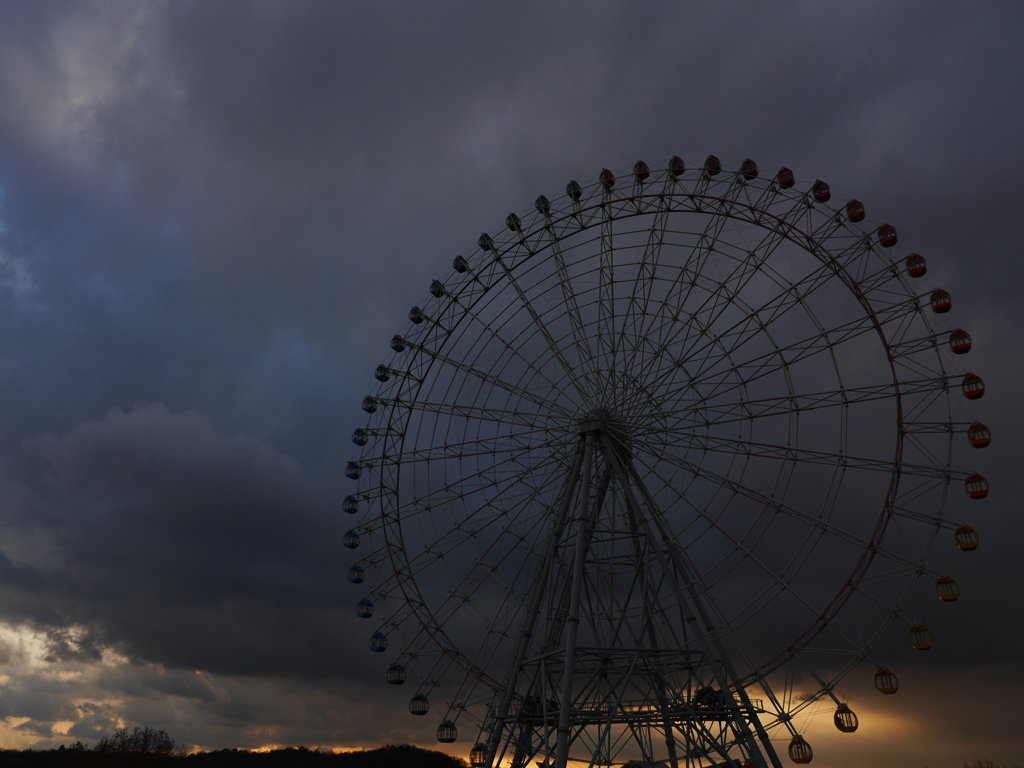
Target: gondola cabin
{"points": [[447, 733], [378, 642], [364, 609], [978, 435], [350, 505], [941, 301], [973, 387], [395, 674], [887, 236], [607, 178], [350, 540], [966, 538], [748, 170], [916, 265], [712, 166], [976, 486], [886, 681], [641, 172], [677, 166], [855, 211], [356, 574], [845, 719], [947, 589], [821, 191], [785, 178], [960, 342], [353, 470], [920, 637], [800, 751], [478, 757], [419, 705]]}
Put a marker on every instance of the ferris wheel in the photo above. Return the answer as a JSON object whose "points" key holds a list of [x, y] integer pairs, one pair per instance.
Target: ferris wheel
{"points": [[657, 465]]}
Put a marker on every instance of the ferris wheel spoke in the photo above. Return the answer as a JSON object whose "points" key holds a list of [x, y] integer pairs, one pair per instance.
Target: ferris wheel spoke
{"points": [[491, 445], [586, 355], [778, 506], [475, 413], [780, 581], [721, 294], [553, 348], [760, 450], [643, 286], [528, 395], [678, 294]]}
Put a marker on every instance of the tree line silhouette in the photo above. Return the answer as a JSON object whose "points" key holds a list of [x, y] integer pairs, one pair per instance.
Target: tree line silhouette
{"points": [[145, 747]]}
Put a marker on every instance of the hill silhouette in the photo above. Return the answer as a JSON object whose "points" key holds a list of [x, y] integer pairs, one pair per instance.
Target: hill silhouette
{"points": [[391, 756]]}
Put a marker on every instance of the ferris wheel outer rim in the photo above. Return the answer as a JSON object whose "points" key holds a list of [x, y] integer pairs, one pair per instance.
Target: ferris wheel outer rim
{"points": [[812, 246]]}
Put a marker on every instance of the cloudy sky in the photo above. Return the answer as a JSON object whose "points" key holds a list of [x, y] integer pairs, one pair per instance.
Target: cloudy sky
{"points": [[213, 216]]}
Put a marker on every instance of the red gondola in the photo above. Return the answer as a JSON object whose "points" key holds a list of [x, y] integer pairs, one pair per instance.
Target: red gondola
{"points": [[640, 171], [887, 235], [855, 211], [821, 191], [748, 170], [960, 342], [916, 265], [973, 386], [712, 166], [607, 178], [976, 486], [677, 166], [941, 301], [785, 179], [978, 435]]}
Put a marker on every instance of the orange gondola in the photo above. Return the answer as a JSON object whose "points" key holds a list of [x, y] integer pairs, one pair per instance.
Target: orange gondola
{"points": [[845, 719], [800, 751], [855, 211], [947, 589], [887, 235], [967, 538], [920, 637], [886, 681]]}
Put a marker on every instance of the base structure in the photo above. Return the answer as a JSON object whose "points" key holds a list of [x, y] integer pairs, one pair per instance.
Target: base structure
{"points": [[618, 661]]}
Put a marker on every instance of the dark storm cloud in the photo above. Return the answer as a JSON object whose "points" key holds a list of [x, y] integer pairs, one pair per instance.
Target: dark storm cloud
{"points": [[215, 214], [185, 547]]}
